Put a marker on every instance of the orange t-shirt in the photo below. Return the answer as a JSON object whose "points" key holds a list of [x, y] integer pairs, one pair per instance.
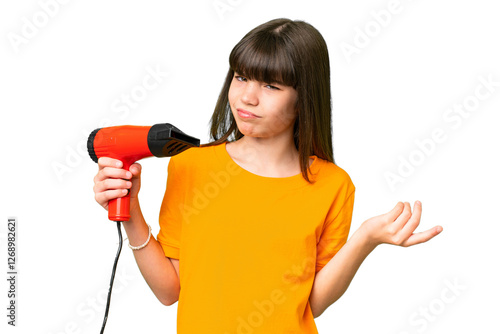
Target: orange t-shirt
{"points": [[249, 246]]}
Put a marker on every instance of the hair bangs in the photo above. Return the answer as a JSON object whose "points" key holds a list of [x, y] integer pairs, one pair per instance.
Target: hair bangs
{"points": [[265, 59]]}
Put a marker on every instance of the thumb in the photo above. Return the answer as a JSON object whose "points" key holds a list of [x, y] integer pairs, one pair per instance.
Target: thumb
{"points": [[135, 169]]}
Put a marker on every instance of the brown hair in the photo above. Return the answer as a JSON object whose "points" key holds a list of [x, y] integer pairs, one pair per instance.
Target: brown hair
{"points": [[292, 53]]}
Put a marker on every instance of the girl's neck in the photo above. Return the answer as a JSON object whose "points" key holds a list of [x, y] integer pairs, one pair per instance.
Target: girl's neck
{"points": [[265, 156]]}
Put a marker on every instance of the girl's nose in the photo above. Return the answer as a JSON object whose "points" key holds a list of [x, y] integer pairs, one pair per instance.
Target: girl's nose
{"points": [[250, 93]]}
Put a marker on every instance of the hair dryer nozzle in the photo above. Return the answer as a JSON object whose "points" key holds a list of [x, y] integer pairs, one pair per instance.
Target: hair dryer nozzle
{"points": [[165, 140]]}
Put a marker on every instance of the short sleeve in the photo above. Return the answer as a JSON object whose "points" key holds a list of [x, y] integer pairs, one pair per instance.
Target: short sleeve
{"points": [[335, 232], [170, 218]]}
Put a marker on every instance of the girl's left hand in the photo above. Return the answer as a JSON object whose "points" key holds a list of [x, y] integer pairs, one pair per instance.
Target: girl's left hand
{"points": [[397, 226]]}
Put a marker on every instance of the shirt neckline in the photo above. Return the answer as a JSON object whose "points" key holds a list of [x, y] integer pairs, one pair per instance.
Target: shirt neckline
{"points": [[294, 179]]}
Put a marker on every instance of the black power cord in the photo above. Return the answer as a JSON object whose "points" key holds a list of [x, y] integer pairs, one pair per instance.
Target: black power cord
{"points": [[118, 225]]}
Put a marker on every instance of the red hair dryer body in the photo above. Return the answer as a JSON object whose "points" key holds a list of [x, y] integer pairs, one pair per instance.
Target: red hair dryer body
{"points": [[130, 143]]}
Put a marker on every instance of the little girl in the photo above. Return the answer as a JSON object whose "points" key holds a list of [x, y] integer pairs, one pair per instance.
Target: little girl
{"points": [[254, 225]]}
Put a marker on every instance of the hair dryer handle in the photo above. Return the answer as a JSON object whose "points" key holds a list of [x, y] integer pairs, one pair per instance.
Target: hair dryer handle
{"points": [[119, 208]]}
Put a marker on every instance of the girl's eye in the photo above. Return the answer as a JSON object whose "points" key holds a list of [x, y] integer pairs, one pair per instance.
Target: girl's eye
{"points": [[244, 79]]}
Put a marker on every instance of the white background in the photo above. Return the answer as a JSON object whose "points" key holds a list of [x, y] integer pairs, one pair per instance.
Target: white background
{"points": [[67, 77]]}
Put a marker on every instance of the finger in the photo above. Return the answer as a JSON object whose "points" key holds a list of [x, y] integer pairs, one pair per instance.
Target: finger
{"points": [[411, 225], [116, 173], [400, 222], [106, 196], [111, 172], [109, 162], [136, 169], [395, 212], [418, 238], [108, 184]]}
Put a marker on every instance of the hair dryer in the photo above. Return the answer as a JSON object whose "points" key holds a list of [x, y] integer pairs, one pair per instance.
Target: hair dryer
{"points": [[129, 143]]}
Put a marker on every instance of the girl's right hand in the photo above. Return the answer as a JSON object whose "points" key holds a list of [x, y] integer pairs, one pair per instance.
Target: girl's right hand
{"points": [[112, 181]]}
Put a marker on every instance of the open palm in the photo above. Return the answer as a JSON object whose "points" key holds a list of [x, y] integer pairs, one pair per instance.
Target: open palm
{"points": [[397, 226]]}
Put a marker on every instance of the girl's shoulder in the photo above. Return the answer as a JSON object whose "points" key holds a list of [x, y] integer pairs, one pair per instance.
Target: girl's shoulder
{"points": [[329, 172], [195, 156]]}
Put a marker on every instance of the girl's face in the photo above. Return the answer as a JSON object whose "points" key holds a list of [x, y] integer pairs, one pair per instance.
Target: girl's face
{"points": [[262, 109]]}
